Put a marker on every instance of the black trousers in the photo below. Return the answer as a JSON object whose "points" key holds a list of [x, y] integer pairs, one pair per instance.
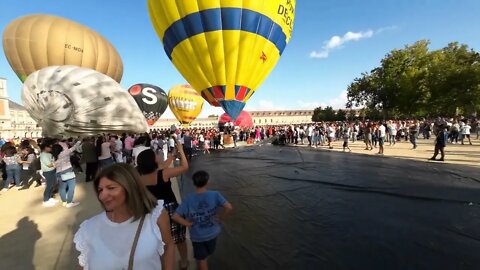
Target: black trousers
{"points": [[91, 171], [440, 149], [25, 175], [188, 152]]}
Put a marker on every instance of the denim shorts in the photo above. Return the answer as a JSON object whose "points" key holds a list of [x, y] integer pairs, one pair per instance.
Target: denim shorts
{"points": [[381, 140], [201, 250]]}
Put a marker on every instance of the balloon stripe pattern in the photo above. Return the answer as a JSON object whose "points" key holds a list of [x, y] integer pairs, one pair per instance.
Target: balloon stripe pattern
{"points": [[33, 42], [185, 103], [224, 48], [204, 21]]}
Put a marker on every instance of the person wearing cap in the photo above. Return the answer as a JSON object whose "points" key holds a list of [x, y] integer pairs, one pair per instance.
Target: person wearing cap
{"points": [[156, 174]]}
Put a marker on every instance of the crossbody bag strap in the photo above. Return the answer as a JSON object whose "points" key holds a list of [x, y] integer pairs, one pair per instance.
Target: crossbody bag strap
{"points": [[134, 245]]}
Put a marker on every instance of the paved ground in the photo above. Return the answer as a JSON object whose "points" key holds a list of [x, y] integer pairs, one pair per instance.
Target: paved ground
{"points": [[33, 237]]}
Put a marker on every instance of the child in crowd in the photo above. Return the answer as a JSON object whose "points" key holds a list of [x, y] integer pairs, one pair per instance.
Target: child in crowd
{"points": [[198, 211], [206, 146]]}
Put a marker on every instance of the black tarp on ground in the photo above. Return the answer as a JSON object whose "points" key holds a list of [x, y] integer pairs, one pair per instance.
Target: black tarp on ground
{"points": [[305, 209]]}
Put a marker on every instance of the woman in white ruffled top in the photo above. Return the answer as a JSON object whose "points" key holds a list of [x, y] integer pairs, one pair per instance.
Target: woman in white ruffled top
{"points": [[108, 240]]}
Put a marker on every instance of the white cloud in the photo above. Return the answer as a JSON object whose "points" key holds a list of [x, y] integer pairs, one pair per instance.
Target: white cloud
{"points": [[388, 28], [322, 54], [336, 103], [337, 42]]}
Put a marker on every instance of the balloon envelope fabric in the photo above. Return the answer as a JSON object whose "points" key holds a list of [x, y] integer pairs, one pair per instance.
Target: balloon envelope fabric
{"points": [[185, 103], [70, 100], [244, 120], [37, 41], [224, 48], [151, 100]]}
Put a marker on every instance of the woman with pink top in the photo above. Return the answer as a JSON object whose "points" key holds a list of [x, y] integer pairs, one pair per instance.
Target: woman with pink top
{"points": [[65, 175]]}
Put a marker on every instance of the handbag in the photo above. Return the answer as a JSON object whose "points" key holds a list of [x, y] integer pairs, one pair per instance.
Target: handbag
{"points": [[67, 176], [134, 245]]}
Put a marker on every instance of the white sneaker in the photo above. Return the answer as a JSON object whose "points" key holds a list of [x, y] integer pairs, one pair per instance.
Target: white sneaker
{"points": [[53, 200], [48, 204], [72, 204]]}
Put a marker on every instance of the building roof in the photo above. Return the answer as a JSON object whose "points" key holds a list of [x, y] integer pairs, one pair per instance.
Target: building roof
{"points": [[15, 106], [281, 113]]}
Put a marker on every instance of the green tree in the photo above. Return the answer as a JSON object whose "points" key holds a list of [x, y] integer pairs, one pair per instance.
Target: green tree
{"points": [[341, 115], [318, 115], [330, 114], [416, 82]]}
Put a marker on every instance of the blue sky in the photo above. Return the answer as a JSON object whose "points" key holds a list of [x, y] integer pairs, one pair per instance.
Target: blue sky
{"points": [[333, 42]]}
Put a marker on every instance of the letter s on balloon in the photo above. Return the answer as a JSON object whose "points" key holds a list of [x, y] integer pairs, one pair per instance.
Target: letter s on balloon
{"points": [[150, 97]]}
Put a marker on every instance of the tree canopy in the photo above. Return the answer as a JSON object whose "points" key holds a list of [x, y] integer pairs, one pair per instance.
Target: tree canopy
{"points": [[417, 82]]}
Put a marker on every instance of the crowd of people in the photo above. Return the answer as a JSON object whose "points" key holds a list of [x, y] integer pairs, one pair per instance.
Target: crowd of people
{"points": [[54, 162], [131, 175]]}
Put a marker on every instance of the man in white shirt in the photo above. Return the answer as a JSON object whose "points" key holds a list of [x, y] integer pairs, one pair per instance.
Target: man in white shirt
{"points": [[381, 138], [310, 134], [465, 132], [118, 150]]}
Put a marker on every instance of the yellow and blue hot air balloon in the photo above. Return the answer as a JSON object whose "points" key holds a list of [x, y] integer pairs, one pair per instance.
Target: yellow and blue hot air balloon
{"points": [[224, 49]]}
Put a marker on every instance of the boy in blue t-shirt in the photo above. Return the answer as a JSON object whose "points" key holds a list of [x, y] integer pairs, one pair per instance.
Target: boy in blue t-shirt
{"points": [[198, 211]]}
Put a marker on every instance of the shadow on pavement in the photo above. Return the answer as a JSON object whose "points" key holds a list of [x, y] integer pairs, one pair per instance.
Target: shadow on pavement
{"points": [[25, 250], [301, 209]]}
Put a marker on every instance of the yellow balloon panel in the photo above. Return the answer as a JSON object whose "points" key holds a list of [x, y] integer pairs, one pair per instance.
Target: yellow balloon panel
{"points": [[185, 103], [224, 48], [33, 42]]}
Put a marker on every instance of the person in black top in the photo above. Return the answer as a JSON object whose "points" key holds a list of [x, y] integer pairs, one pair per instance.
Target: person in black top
{"points": [[156, 174], [187, 144]]}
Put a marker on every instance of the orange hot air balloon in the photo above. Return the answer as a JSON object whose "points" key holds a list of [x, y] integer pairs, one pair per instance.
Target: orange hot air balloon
{"points": [[185, 103], [37, 41]]}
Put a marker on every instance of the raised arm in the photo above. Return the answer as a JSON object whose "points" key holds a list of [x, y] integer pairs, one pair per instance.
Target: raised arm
{"points": [[176, 171]]}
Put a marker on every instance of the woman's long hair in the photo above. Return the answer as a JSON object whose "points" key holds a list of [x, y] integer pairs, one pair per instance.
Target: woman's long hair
{"points": [[139, 201], [56, 150]]}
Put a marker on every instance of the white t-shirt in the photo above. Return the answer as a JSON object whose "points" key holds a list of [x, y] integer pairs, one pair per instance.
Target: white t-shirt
{"points": [[118, 145], [356, 128], [466, 129], [381, 128], [105, 151], [171, 142], [331, 132], [393, 130], [106, 245]]}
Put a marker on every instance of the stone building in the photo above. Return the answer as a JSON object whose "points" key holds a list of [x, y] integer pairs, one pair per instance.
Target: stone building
{"points": [[260, 118], [14, 119]]}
